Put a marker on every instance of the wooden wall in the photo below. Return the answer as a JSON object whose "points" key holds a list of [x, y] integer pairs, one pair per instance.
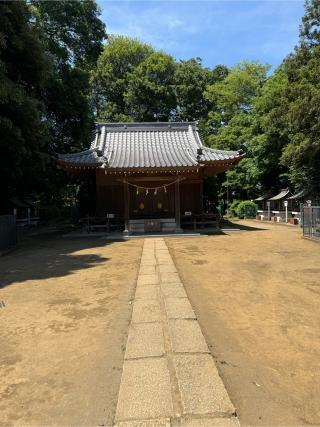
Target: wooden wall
{"points": [[191, 197], [110, 196]]}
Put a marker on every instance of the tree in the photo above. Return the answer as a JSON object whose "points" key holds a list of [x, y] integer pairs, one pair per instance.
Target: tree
{"points": [[23, 70], [234, 94], [133, 82], [269, 133], [72, 34], [191, 81], [231, 121], [110, 80], [302, 153], [300, 103], [150, 95], [310, 27]]}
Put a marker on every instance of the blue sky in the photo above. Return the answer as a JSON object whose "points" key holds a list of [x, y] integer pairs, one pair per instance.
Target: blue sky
{"points": [[218, 31]]}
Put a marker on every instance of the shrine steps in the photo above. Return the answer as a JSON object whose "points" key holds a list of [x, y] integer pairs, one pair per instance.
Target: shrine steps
{"points": [[168, 225]]}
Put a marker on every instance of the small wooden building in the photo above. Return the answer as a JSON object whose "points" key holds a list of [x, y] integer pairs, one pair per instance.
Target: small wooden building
{"points": [[150, 171], [263, 211]]}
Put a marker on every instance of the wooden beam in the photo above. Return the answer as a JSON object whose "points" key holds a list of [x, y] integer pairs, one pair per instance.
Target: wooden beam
{"points": [[152, 178]]}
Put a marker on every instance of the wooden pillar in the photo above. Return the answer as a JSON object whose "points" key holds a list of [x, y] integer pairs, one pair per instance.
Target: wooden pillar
{"points": [[177, 205], [126, 207], [201, 196]]}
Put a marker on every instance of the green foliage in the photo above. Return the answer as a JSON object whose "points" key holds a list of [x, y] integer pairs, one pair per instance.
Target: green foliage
{"points": [[231, 123], [72, 30], [133, 82], [302, 153], [310, 29], [270, 132], [150, 95], [72, 34], [191, 81], [110, 79], [246, 209], [47, 50], [22, 78], [234, 94], [56, 78], [233, 207]]}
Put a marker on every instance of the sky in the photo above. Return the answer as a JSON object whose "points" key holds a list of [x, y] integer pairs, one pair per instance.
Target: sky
{"points": [[218, 31]]}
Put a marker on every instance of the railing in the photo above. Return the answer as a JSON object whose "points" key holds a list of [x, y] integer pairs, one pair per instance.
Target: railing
{"points": [[110, 222], [311, 222], [200, 221], [8, 233]]}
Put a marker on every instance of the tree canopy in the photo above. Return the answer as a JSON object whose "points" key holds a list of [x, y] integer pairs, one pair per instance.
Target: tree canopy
{"points": [[22, 79], [60, 72]]}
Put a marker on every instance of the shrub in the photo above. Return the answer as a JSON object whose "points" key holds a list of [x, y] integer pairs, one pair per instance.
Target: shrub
{"points": [[233, 207], [246, 209]]}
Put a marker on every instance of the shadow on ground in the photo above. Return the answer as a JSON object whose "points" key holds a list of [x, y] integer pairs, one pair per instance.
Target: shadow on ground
{"points": [[47, 256], [235, 225]]}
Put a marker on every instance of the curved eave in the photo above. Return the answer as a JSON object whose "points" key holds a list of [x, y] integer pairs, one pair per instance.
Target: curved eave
{"points": [[301, 194], [282, 195], [229, 160], [203, 164], [78, 165]]}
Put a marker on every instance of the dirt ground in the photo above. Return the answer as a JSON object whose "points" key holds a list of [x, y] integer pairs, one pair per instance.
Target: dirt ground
{"points": [[257, 295], [63, 330]]}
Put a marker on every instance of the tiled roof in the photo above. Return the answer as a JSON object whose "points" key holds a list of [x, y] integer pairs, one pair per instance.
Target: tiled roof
{"points": [[283, 193], [302, 193], [261, 198], [149, 145]]}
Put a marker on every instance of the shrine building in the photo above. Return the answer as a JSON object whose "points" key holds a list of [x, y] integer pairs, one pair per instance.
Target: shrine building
{"points": [[149, 171]]}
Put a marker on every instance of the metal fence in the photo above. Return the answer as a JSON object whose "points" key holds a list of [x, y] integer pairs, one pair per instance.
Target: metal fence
{"points": [[311, 221], [8, 232]]}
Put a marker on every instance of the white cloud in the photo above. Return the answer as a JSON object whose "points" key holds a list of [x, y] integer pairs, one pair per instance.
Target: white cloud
{"points": [[219, 31]]}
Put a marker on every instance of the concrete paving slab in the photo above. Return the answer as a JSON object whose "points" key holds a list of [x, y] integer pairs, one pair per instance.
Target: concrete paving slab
{"points": [[145, 340], [201, 388], [170, 268], [186, 337], [170, 277], [159, 422], [147, 248], [179, 308], [173, 290], [148, 279], [147, 269], [148, 261], [207, 422], [160, 243], [146, 311], [146, 396], [148, 255], [147, 292], [165, 260], [145, 390]]}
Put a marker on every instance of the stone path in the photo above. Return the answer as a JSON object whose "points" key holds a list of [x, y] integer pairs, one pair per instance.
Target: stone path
{"points": [[169, 378]]}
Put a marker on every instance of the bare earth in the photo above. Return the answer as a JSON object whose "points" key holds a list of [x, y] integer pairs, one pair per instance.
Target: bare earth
{"points": [[63, 330], [64, 326], [257, 296]]}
